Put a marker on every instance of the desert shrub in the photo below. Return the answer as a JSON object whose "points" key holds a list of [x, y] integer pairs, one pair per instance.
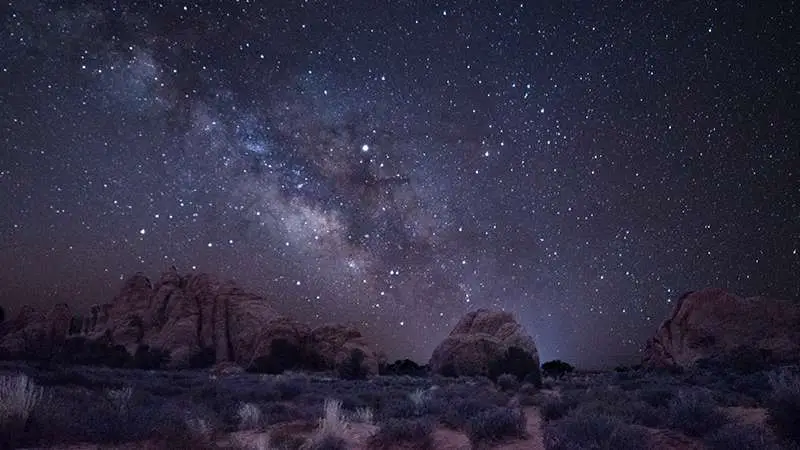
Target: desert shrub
{"points": [[554, 407], [755, 385], [783, 406], [448, 371], [508, 382], [742, 359], [628, 410], [415, 432], [741, 437], [402, 408], [79, 350], [328, 442], [113, 417], [589, 432], [283, 412], [148, 358], [556, 368], [290, 388], [656, 396], [496, 424], [694, 413], [353, 368], [457, 413], [404, 367], [517, 362], [527, 394]]}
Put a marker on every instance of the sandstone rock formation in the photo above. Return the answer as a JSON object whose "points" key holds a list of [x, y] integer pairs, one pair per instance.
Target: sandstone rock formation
{"points": [[713, 323], [33, 332], [482, 343], [194, 316]]}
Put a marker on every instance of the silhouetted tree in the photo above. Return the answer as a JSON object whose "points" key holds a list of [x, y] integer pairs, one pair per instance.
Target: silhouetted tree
{"points": [[404, 367], [353, 368], [556, 368], [2, 315]]}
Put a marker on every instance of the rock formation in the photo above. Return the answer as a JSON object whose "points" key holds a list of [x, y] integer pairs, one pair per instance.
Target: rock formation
{"points": [[713, 323], [485, 342], [194, 316], [35, 333]]}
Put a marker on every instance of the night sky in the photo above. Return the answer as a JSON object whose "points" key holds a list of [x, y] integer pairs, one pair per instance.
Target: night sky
{"points": [[397, 164]]}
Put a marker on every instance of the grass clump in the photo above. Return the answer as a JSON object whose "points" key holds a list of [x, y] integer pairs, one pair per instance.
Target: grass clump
{"points": [[331, 433], [19, 395]]}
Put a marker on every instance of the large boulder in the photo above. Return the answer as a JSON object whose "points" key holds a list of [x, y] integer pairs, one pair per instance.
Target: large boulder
{"points": [[486, 342], [714, 324]]}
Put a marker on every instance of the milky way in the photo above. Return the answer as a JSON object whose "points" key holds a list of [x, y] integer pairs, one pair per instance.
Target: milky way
{"points": [[396, 164]]}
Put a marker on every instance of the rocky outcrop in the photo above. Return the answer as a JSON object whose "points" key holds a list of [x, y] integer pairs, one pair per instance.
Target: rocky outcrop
{"points": [[482, 343], [715, 324], [194, 318], [35, 333]]}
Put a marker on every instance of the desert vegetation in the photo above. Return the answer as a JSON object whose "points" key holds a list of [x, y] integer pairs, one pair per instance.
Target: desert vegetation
{"points": [[712, 407]]}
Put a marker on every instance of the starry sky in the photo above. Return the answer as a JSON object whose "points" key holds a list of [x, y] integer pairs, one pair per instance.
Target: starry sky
{"points": [[396, 164]]}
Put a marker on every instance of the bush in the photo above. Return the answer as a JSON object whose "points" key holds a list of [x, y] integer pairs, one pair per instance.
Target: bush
{"points": [[582, 431], [405, 367], [459, 412], [507, 382], [555, 407], [353, 367], [694, 413], [628, 410], [81, 351], [416, 432], [289, 389], [656, 396], [519, 363], [783, 406], [147, 358], [741, 437], [496, 424], [556, 368]]}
